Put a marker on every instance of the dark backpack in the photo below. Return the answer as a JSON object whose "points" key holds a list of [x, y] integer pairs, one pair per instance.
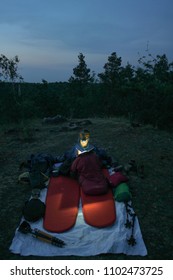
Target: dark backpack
{"points": [[40, 166], [40, 162]]}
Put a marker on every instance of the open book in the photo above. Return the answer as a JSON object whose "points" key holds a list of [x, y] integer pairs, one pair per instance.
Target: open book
{"points": [[81, 150]]}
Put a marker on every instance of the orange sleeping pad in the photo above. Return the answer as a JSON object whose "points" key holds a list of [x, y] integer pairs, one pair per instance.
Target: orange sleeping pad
{"points": [[62, 204], [99, 210]]}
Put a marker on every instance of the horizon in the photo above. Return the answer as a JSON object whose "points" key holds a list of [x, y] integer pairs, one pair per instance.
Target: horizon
{"points": [[48, 37]]}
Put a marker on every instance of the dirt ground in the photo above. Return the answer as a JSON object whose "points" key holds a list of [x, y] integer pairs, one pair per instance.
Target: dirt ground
{"points": [[152, 195]]}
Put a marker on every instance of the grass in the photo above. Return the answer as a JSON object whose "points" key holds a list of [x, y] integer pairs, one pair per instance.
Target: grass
{"points": [[152, 195]]}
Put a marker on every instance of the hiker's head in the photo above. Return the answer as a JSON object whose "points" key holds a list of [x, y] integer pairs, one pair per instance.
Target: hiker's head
{"points": [[84, 137]]}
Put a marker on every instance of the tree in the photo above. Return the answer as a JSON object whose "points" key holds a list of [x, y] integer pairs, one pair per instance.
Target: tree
{"points": [[161, 68], [127, 73], [157, 68], [79, 86], [81, 72], [112, 70], [9, 76], [9, 69]]}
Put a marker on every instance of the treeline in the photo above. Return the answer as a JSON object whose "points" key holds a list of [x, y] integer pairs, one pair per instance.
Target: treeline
{"points": [[143, 94]]}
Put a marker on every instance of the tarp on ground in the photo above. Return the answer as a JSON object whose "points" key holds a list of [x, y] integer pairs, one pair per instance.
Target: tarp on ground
{"points": [[82, 239]]}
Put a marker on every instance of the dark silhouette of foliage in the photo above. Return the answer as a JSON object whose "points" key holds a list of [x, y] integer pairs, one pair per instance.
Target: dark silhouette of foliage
{"points": [[112, 70], [9, 69], [143, 93], [81, 73]]}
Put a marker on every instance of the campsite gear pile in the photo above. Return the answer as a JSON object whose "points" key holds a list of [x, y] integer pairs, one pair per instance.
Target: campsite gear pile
{"points": [[83, 240], [43, 166]]}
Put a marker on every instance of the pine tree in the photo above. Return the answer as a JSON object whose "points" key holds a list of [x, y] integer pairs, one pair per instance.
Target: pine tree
{"points": [[81, 72], [112, 70]]}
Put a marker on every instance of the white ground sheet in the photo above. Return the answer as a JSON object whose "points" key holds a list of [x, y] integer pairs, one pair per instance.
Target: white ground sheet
{"points": [[82, 239]]}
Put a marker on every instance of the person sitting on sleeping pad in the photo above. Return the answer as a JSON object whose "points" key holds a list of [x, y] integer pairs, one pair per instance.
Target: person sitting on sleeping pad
{"points": [[82, 145], [87, 168]]}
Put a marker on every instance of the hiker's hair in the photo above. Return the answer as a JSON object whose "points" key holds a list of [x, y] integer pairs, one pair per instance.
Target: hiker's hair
{"points": [[84, 133]]}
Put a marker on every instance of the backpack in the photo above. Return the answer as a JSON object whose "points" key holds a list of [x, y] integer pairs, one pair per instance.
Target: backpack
{"points": [[40, 162], [39, 167]]}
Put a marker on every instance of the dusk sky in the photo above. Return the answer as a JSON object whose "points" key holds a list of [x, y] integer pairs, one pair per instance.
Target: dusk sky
{"points": [[48, 35]]}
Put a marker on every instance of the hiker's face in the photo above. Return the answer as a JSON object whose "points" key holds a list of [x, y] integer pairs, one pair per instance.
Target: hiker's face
{"points": [[84, 143]]}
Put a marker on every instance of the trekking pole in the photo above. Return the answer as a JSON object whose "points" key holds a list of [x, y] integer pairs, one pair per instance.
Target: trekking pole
{"points": [[41, 235], [130, 224], [132, 241]]}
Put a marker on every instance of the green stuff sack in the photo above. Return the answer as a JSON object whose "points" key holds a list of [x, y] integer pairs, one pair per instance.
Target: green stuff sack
{"points": [[122, 193]]}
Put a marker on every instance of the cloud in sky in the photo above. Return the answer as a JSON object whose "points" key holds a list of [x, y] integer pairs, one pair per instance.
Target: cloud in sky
{"points": [[48, 35]]}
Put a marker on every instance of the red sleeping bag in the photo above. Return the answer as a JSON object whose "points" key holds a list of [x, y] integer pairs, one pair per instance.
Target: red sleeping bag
{"points": [[98, 204], [88, 168]]}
